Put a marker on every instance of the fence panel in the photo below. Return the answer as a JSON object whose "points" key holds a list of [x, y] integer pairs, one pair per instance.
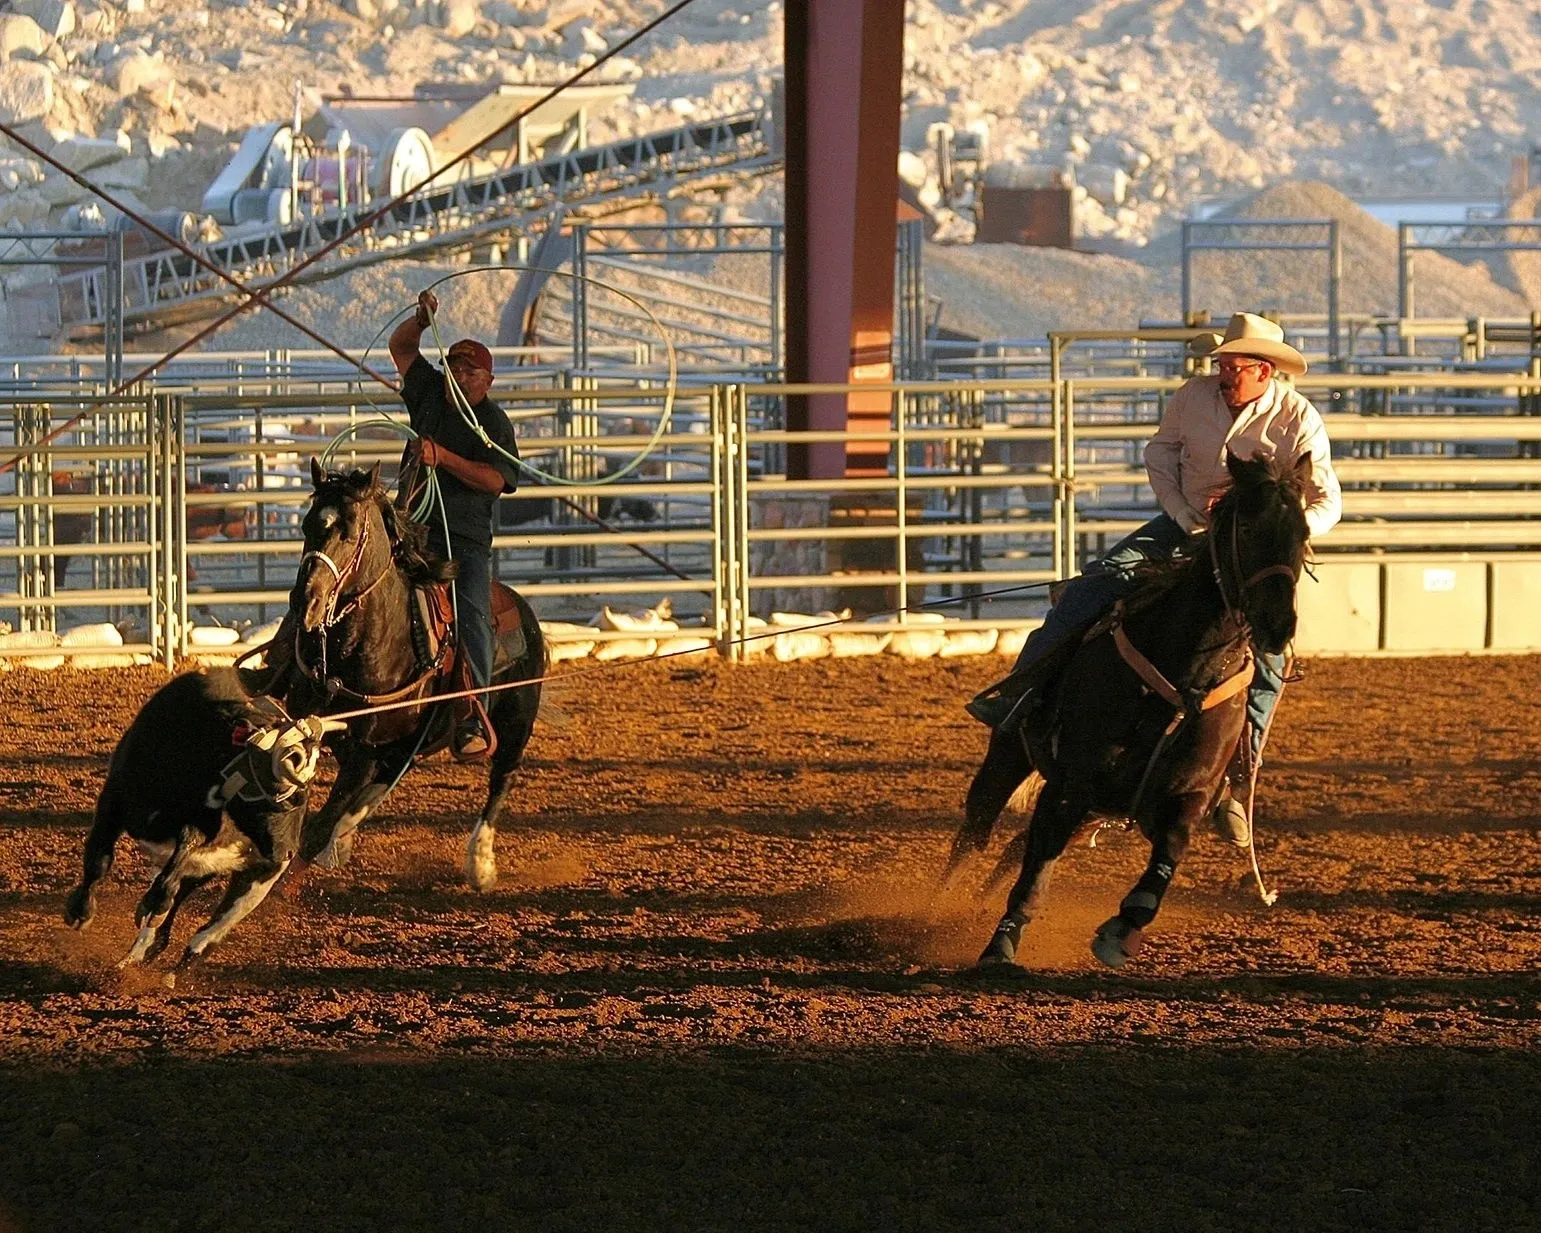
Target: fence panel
{"points": [[82, 530], [173, 519]]}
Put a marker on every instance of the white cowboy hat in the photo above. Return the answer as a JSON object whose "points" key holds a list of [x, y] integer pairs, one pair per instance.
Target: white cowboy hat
{"points": [[1259, 338]]}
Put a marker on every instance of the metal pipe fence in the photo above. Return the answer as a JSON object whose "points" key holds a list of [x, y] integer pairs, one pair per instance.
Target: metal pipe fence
{"points": [[166, 512]]}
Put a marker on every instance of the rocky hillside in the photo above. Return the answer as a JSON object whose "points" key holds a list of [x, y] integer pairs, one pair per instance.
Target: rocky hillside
{"points": [[1147, 105], [1150, 103]]}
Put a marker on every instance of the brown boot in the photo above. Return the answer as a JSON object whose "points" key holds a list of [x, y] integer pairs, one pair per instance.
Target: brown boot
{"points": [[471, 743], [1229, 818]]}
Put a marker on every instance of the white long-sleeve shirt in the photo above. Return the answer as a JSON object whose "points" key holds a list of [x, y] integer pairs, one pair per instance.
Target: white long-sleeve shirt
{"points": [[1186, 458]]}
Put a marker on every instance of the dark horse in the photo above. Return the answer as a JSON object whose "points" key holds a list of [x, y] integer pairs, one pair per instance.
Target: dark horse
{"points": [[355, 647], [1147, 712]]}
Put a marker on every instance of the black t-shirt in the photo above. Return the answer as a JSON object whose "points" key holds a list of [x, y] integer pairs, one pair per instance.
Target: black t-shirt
{"points": [[468, 511]]}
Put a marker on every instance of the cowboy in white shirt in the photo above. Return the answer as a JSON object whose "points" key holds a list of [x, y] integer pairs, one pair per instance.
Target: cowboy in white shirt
{"points": [[1240, 408]]}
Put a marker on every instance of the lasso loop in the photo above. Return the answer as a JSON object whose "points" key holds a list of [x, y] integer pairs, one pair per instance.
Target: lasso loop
{"points": [[670, 391], [433, 496]]}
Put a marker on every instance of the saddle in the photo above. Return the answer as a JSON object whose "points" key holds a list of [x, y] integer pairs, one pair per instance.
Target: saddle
{"points": [[1005, 704], [433, 637]]}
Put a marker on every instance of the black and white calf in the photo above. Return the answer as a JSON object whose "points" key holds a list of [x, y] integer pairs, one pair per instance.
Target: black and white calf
{"points": [[187, 761]]}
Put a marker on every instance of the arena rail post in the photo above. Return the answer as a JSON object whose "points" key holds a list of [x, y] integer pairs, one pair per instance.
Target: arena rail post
{"points": [[739, 399], [179, 522], [170, 468], [901, 466], [1069, 565], [724, 593]]}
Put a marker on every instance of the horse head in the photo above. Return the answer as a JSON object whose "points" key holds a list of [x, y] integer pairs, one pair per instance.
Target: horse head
{"points": [[1257, 543], [346, 545]]}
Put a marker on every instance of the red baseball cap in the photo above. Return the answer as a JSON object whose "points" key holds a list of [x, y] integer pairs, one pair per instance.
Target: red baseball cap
{"points": [[472, 352]]}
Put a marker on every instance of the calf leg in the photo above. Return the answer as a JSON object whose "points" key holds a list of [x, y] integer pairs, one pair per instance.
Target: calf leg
{"points": [[247, 890], [1055, 820], [1120, 937], [162, 938], [274, 833], [160, 900], [98, 857], [1005, 768]]}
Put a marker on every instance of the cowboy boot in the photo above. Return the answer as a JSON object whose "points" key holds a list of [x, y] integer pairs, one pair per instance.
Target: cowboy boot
{"points": [[1229, 818], [472, 739]]}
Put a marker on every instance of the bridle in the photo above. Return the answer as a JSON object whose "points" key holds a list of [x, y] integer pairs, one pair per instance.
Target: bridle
{"points": [[334, 614], [344, 575], [1236, 610], [319, 672]]}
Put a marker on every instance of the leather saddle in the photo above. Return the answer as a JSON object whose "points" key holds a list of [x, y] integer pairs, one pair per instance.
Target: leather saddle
{"points": [[433, 634]]}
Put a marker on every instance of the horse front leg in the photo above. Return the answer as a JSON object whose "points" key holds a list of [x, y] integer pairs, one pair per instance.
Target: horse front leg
{"points": [[1055, 819], [327, 838], [1120, 937], [1004, 770]]}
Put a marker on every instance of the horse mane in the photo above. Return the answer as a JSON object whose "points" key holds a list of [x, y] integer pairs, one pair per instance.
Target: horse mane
{"points": [[409, 540], [1153, 579], [1250, 474]]}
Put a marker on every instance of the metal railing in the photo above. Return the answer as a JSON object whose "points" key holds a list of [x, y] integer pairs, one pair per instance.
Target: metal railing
{"points": [[167, 510]]}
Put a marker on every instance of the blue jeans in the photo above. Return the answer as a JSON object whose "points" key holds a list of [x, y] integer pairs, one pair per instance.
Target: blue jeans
{"points": [[1090, 595], [473, 601]]}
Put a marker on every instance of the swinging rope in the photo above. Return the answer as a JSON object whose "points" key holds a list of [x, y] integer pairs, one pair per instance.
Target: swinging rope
{"points": [[260, 294], [671, 385]]}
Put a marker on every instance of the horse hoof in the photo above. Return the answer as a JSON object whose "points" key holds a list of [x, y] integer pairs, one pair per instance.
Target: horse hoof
{"points": [[78, 911], [1117, 942], [1003, 945], [337, 853]]}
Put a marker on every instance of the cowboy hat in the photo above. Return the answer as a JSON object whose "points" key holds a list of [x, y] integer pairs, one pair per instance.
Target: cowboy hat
{"points": [[1259, 338], [1204, 344]]}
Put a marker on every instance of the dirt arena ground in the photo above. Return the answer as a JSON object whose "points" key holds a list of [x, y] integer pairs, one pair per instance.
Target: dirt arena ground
{"points": [[710, 990]]}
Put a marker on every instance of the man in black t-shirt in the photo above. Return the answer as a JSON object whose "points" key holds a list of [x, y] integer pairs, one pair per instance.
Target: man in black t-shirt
{"points": [[472, 476]]}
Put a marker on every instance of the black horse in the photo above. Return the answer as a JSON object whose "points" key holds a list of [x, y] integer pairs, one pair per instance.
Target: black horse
{"points": [[352, 612], [1149, 709]]}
